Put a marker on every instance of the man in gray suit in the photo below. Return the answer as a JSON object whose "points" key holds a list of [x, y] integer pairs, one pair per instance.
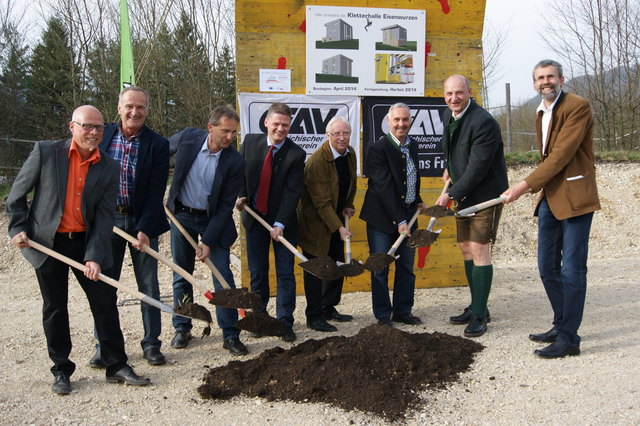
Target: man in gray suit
{"points": [[72, 212]]}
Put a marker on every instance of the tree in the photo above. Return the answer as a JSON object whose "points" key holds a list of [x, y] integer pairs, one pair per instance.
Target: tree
{"points": [[52, 81], [14, 111], [493, 43]]}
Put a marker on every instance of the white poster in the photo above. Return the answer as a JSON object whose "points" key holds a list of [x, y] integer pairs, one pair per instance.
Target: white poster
{"points": [[365, 51], [311, 114], [275, 80]]}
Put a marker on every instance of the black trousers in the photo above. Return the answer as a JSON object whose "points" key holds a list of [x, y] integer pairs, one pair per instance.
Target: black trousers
{"points": [[53, 278], [322, 296]]}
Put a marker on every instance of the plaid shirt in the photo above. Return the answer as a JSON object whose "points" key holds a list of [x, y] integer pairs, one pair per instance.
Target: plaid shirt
{"points": [[125, 152]]}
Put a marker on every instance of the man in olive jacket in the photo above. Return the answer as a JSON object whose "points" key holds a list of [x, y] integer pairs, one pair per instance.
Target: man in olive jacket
{"points": [[327, 197], [566, 178]]}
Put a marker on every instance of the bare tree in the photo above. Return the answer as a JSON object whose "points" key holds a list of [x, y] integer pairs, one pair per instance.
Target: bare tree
{"points": [[494, 40]]}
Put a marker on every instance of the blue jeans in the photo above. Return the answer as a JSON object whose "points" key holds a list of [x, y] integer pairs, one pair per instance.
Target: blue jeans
{"points": [[404, 279], [562, 262], [184, 256], [258, 243], [145, 269]]}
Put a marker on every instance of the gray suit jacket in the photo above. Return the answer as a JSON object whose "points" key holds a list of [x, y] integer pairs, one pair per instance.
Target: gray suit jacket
{"points": [[46, 171]]}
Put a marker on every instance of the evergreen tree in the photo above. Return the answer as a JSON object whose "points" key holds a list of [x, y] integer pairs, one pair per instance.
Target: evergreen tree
{"points": [[14, 113], [104, 77], [225, 77]]}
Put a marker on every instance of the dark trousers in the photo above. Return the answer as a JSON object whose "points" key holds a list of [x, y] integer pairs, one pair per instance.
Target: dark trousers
{"points": [[53, 278], [563, 246], [184, 256], [322, 295], [258, 243]]}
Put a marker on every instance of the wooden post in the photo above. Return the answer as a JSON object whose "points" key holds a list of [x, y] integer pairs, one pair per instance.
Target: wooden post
{"points": [[509, 129]]}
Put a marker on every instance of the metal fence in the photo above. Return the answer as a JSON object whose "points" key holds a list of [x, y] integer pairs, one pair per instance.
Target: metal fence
{"points": [[13, 152]]}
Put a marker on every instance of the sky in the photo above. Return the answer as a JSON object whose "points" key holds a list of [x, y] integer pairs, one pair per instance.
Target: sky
{"points": [[524, 22]]}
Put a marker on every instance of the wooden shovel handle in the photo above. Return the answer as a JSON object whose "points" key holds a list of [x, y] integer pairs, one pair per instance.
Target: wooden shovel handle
{"points": [[188, 237], [177, 269], [135, 293], [282, 239], [432, 221], [347, 256], [402, 236], [481, 206]]}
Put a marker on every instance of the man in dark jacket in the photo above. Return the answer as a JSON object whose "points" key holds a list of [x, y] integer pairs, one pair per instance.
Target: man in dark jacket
{"points": [[475, 164]]}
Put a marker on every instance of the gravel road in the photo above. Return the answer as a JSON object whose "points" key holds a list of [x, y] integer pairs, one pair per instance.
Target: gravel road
{"points": [[506, 384]]}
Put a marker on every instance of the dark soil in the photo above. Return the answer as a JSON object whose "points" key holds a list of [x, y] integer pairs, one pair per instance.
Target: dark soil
{"points": [[438, 211], [193, 310], [352, 269], [378, 261], [322, 267], [262, 323], [239, 298], [381, 370], [422, 238]]}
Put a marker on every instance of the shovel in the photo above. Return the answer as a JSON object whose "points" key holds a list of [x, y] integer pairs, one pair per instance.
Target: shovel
{"points": [[351, 267], [135, 293], [426, 237], [322, 267], [470, 211], [233, 297], [379, 261]]}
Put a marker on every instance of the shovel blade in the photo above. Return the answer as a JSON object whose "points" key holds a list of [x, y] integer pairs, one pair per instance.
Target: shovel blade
{"points": [[352, 269], [422, 238], [438, 211], [239, 298], [322, 267], [378, 261], [262, 323]]}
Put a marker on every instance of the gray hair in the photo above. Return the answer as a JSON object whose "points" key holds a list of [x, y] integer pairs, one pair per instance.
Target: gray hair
{"points": [[399, 105], [547, 63], [134, 89], [335, 119]]}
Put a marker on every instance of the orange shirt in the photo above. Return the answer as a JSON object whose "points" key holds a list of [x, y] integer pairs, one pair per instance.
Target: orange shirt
{"points": [[72, 220]]}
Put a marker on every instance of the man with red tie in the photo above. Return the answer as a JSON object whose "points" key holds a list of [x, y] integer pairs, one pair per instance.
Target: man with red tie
{"points": [[273, 181]]}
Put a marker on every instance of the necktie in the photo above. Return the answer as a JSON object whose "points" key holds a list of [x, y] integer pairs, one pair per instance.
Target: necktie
{"points": [[262, 199]]}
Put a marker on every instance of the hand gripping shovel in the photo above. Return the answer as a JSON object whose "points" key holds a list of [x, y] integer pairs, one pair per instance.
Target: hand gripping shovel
{"points": [[379, 261], [238, 298], [198, 314], [426, 237], [322, 267], [351, 267]]}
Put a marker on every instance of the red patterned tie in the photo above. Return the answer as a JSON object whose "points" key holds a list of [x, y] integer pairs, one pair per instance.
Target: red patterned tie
{"points": [[262, 199]]}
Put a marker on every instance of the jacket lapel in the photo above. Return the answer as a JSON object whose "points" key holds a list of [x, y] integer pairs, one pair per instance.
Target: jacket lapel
{"points": [[62, 169]]}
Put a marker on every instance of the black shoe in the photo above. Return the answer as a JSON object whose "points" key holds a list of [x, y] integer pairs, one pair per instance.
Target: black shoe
{"points": [[476, 328], [128, 376], [336, 316], [96, 361], [181, 339], [289, 336], [321, 325], [61, 384], [385, 321], [235, 346], [406, 319], [557, 350], [154, 356], [465, 317], [547, 337]]}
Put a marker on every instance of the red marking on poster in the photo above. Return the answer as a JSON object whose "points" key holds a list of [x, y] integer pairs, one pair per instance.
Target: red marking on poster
{"points": [[427, 50], [445, 6], [303, 26], [282, 63]]}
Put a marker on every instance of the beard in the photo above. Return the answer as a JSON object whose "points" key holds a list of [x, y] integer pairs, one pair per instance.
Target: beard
{"points": [[550, 95]]}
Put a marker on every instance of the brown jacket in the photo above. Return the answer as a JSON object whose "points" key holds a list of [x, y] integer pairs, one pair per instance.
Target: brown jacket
{"points": [[567, 173], [317, 217]]}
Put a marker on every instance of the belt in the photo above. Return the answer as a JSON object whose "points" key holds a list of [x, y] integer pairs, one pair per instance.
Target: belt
{"points": [[183, 208], [124, 209], [71, 235]]}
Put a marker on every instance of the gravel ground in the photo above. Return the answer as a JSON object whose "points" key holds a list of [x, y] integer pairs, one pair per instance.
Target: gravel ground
{"points": [[505, 385]]}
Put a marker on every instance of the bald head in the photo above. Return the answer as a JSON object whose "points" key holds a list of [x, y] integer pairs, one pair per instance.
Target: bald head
{"points": [[87, 126], [86, 110], [457, 93]]}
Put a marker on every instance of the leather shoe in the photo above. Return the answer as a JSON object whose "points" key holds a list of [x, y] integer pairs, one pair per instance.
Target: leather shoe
{"points": [[546, 337], [181, 339], [337, 316], [235, 346], [96, 361], [385, 321], [321, 325], [558, 350], [61, 384], [476, 328], [289, 336], [406, 319], [154, 356], [465, 317], [128, 376]]}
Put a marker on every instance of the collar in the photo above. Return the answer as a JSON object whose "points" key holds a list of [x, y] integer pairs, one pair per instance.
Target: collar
{"points": [[336, 154], [137, 135], [93, 158], [407, 140], [278, 146], [205, 147], [543, 108], [462, 113]]}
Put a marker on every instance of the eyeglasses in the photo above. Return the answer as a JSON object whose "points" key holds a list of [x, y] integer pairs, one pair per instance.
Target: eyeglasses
{"points": [[89, 127], [338, 134]]}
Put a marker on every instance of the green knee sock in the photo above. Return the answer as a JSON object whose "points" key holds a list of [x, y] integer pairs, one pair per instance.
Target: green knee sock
{"points": [[482, 277], [468, 270]]}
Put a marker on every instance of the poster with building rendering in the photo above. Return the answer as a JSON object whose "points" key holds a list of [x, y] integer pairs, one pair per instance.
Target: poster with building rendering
{"points": [[365, 51]]}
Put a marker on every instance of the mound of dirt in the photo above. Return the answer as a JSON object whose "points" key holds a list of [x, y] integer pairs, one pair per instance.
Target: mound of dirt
{"points": [[381, 370]]}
